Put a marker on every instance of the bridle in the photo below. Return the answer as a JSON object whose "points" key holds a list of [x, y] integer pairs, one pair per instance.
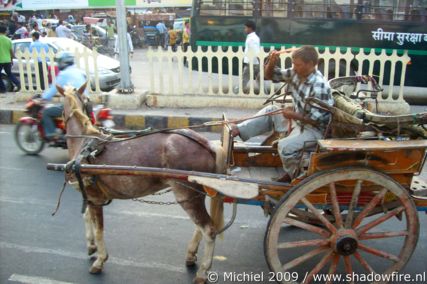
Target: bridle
{"points": [[75, 108]]}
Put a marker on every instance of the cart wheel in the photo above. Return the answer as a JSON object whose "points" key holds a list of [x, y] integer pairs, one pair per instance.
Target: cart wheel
{"points": [[362, 239]]}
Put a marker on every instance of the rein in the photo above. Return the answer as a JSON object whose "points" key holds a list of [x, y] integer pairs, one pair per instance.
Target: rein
{"points": [[94, 145], [90, 147]]}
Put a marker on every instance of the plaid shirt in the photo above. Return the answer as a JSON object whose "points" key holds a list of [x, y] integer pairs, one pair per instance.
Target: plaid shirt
{"points": [[315, 86]]}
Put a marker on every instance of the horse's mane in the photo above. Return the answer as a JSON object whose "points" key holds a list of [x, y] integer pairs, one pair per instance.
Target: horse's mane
{"points": [[78, 113]]}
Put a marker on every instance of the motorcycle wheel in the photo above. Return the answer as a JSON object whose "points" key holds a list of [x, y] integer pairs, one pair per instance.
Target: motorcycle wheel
{"points": [[28, 139]]}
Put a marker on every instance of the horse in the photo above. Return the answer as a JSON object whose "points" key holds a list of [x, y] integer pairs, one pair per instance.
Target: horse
{"points": [[160, 150]]}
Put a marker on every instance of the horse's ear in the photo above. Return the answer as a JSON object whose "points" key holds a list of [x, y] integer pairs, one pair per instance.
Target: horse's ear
{"points": [[82, 88], [60, 90]]}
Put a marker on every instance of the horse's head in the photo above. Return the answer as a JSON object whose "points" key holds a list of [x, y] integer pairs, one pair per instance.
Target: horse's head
{"points": [[77, 106]]}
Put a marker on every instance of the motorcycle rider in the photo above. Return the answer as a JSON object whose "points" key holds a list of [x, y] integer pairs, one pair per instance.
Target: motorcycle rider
{"points": [[69, 75]]}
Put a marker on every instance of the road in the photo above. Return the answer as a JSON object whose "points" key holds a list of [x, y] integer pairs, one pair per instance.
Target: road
{"points": [[146, 243]]}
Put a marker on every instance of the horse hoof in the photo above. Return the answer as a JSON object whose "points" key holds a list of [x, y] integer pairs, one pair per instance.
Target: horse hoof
{"points": [[95, 270], [91, 250], [199, 280], [189, 262]]}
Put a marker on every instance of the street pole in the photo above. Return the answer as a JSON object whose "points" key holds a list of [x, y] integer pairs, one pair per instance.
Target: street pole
{"points": [[126, 85]]}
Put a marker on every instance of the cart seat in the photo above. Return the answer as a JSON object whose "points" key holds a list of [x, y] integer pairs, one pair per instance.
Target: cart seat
{"points": [[369, 145]]}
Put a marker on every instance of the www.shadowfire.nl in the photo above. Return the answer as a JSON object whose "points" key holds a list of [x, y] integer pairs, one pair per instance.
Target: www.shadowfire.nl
{"points": [[372, 277]]}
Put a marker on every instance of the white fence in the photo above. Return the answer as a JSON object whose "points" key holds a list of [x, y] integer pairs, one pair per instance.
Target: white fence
{"points": [[29, 74], [169, 79], [169, 76]]}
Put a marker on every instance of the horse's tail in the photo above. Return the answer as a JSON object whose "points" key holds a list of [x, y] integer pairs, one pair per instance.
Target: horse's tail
{"points": [[217, 202], [217, 212]]}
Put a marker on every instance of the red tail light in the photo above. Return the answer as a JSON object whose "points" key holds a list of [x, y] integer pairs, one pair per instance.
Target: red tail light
{"points": [[105, 114], [92, 118]]}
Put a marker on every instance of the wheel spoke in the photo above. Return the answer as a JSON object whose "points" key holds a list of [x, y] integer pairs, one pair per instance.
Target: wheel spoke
{"points": [[307, 227], [333, 267], [353, 203], [379, 220], [369, 207], [319, 266], [347, 266], [304, 216], [297, 261], [319, 216], [378, 252], [382, 235], [335, 205], [363, 262], [306, 243]]}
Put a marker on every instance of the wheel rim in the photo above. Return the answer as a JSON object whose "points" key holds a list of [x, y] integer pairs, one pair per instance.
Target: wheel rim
{"points": [[350, 239], [28, 138]]}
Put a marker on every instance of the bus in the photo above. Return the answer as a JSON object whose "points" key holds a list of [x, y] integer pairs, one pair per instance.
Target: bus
{"points": [[380, 24]]}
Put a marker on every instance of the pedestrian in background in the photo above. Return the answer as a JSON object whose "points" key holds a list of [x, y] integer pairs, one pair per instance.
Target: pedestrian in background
{"points": [[62, 31], [172, 38], [252, 46], [39, 46], [129, 43], [35, 29], [6, 57], [12, 27], [186, 34], [49, 31], [162, 33], [111, 29], [21, 32]]}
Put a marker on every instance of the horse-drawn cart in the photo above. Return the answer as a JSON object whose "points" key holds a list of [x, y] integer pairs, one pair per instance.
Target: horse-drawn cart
{"points": [[355, 202]]}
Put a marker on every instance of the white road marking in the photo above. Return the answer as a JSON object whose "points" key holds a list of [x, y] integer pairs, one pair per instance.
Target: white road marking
{"points": [[1, 132], [34, 279], [82, 256], [14, 169], [31, 201], [115, 212], [148, 214], [26, 201]]}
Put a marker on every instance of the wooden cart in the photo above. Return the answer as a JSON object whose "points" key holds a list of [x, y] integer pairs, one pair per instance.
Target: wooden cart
{"points": [[352, 212], [353, 201]]}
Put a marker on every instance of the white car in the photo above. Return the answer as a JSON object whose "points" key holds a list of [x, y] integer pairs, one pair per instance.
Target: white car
{"points": [[108, 68]]}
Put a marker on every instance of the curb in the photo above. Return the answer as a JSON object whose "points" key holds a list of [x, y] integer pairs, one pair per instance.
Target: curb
{"points": [[162, 122], [133, 121]]}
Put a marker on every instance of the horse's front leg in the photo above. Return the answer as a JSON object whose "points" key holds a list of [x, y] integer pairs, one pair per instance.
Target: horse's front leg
{"points": [[97, 217], [89, 230]]}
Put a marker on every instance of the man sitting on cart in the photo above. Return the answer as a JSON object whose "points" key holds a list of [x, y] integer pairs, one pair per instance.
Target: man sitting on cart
{"points": [[303, 124]]}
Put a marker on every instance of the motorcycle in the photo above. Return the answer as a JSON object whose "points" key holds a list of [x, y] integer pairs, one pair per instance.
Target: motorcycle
{"points": [[30, 135], [137, 40]]}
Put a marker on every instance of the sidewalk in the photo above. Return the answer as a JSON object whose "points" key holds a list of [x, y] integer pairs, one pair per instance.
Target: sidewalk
{"points": [[125, 117]]}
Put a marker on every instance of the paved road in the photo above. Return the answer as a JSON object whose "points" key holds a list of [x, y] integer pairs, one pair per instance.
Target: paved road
{"points": [[146, 243]]}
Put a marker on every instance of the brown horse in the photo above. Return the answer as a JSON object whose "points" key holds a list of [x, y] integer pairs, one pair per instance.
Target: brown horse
{"points": [[160, 150]]}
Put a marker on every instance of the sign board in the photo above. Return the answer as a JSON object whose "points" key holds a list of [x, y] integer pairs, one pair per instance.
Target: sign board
{"points": [[87, 4], [57, 4]]}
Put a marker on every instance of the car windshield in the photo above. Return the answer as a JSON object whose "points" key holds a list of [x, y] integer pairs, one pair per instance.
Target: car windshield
{"points": [[71, 45]]}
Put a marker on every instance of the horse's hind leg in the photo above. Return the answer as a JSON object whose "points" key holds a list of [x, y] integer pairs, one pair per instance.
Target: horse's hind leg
{"points": [[193, 247], [96, 213], [209, 234], [89, 230], [196, 210]]}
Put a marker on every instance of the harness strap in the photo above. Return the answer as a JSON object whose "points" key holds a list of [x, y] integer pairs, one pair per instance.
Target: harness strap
{"points": [[76, 167], [188, 135]]}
